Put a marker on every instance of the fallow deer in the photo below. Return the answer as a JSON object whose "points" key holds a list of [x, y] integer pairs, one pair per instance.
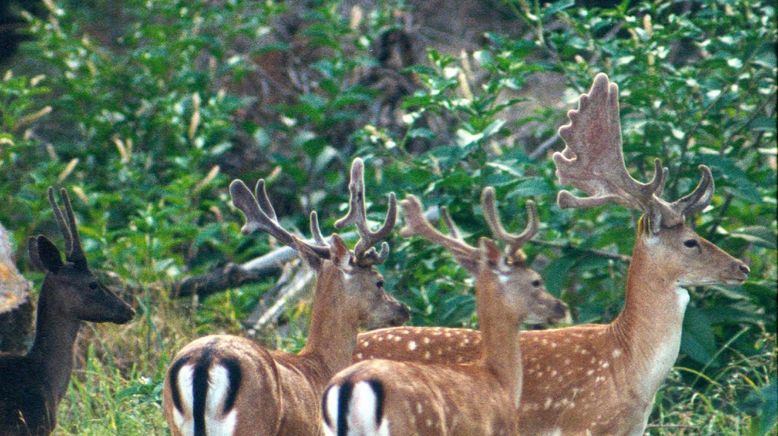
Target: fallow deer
{"points": [[32, 385], [229, 385], [382, 397], [600, 378]]}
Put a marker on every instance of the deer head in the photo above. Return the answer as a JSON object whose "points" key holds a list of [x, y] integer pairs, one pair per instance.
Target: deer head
{"points": [[518, 298], [78, 292], [352, 273], [509, 265], [593, 162]]}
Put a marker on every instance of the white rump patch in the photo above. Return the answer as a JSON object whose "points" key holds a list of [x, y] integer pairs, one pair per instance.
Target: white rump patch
{"points": [[331, 410], [185, 422], [218, 387], [362, 418]]}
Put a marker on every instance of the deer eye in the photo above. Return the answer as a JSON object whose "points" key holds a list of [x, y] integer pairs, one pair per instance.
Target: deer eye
{"points": [[93, 285], [690, 243], [536, 283], [380, 283]]}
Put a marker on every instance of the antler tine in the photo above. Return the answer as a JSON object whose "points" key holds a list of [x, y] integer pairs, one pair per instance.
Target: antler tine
{"points": [[67, 226], [592, 160], [260, 193], [356, 201], [699, 198], [515, 242], [75, 253], [263, 218], [453, 230], [315, 230], [417, 224], [63, 226], [357, 215]]}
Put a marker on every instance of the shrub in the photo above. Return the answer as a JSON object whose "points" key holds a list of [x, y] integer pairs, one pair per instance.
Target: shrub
{"points": [[149, 117]]}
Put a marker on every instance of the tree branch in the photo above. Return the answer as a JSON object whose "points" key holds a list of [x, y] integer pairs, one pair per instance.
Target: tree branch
{"points": [[592, 251], [289, 288], [233, 275]]}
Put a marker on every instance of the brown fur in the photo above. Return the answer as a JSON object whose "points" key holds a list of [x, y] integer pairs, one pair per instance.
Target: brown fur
{"points": [[279, 391], [474, 398], [588, 378]]}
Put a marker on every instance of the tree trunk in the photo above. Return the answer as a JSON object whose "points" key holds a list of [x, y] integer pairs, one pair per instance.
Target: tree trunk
{"points": [[15, 303]]}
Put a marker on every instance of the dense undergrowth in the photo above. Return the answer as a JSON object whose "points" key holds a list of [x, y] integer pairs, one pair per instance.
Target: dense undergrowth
{"points": [[148, 110]]}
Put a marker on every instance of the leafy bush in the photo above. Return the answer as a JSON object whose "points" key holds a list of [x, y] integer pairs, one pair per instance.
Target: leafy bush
{"points": [[149, 120]]}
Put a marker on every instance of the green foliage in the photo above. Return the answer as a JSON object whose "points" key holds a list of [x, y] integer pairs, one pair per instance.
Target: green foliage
{"points": [[149, 121]]}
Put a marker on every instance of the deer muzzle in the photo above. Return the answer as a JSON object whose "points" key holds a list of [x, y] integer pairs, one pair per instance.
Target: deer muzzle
{"points": [[737, 273]]}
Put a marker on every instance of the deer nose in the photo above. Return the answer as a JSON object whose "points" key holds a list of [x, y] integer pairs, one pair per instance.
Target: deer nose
{"points": [[405, 312], [560, 312], [743, 268]]}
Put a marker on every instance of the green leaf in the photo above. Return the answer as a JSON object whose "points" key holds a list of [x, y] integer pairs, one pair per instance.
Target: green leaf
{"points": [[557, 6], [483, 57], [422, 132], [457, 308], [697, 340], [555, 274], [757, 235], [762, 406], [505, 168], [765, 124], [493, 127], [530, 187]]}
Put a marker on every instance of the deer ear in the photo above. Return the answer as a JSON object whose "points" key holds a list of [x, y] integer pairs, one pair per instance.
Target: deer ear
{"points": [[309, 256], [48, 255], [490, 252], [339, 252], [32, 249]]}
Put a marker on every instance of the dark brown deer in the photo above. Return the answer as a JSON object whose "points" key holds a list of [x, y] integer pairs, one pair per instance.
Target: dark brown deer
{"points": [[32, 385], [229, 385]]}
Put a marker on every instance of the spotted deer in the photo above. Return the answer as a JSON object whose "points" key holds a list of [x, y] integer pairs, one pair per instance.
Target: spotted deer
{"points": [[32, 385], [382, 397], [600, 378], [229, 385]]}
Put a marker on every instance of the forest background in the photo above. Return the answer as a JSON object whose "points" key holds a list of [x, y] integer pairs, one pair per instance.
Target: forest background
{"points": [[146, 110]]}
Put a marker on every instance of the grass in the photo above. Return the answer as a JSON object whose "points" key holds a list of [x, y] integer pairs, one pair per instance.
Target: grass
{"points": [[717, 403], [117, 386]]}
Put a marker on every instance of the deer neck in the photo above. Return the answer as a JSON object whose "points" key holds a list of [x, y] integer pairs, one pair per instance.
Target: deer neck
{"points": [[333, 332], [649, 327], [500, 351], [55, 337]]}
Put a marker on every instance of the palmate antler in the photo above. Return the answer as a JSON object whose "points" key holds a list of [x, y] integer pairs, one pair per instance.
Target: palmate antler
{"points": [[467, 255], [364, 252], [593, 162]]}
